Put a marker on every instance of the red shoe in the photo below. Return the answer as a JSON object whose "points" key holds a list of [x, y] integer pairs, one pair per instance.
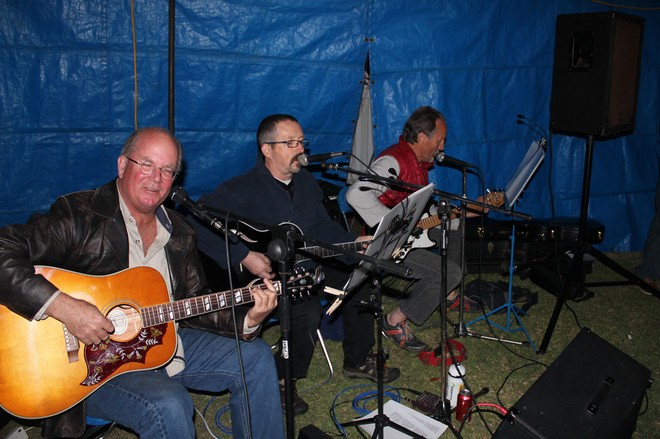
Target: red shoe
{"points": [[469, 305]]}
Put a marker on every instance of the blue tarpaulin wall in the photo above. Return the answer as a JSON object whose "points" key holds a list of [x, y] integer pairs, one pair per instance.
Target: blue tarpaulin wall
{"points": [[67, 92]]}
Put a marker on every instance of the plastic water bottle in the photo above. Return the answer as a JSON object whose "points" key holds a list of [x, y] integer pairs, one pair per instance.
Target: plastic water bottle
{"points": [[454, 383]]}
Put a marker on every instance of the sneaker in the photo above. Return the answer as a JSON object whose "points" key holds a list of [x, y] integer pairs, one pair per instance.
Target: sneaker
{"points": [[299, 405], [403, 336], [369, 371], [469, 305], [651, 283]]}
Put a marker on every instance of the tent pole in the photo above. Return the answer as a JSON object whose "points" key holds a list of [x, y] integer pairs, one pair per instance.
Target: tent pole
{"points": [[170, 69]]}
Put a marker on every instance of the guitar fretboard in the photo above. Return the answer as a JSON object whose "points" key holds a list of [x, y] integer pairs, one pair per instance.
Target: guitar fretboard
{"points": [[194, 306], [305, 253]]}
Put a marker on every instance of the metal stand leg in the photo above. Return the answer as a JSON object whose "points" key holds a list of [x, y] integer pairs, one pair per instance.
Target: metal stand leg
{"points": [[512, 311], [576, 274]]}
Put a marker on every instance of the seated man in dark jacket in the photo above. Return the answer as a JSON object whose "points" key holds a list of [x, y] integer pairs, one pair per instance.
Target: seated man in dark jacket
{"points": [[278, 190], [118, 226]]}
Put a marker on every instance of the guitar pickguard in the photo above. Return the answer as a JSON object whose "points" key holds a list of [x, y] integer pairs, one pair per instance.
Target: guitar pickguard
{"points": [[104, 359]]}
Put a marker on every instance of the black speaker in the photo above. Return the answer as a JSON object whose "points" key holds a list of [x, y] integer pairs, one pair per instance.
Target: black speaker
{"points": [[592, 390], [596, 73]]}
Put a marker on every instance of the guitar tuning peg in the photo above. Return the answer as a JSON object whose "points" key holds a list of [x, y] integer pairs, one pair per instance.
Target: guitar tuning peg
{"points": [[319, 276]]}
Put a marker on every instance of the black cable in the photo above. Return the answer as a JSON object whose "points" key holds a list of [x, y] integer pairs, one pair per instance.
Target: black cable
{"points": [[479, 410], [236, 337], [497, 393]]}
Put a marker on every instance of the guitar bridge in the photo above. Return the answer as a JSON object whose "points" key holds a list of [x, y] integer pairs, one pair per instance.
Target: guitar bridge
{"points": [[72, 345]]}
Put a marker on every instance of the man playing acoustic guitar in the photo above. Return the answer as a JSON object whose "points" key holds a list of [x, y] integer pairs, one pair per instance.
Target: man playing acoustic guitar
{"points": [[123, 228]]}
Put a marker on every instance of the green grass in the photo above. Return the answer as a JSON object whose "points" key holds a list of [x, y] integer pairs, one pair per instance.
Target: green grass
{"points": [[621, 315]]}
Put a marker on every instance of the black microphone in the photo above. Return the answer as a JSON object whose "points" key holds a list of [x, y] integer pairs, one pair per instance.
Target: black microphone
{"points": [[181, 197], [524, 120], [538, 129], [305, 159], [443, 158]]}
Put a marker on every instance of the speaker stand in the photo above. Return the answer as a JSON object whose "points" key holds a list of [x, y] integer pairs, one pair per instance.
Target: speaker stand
{"points": [[576, 272]]}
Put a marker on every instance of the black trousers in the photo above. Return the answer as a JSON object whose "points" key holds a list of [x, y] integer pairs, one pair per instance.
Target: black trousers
{"points": [[358, 322]]}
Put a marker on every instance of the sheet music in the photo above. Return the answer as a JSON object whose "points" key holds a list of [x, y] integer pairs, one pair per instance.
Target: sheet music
{"points": [[406, 417], [392, 232], [520, 178]]}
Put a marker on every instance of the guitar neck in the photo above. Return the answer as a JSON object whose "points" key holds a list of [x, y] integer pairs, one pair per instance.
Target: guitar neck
{"points": [[306, 253], [195, 306], [495, 199]]}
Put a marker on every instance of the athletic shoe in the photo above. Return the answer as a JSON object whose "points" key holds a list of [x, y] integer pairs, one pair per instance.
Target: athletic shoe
{"points": [[651, 283], [469, 305], [369, 371], [403, 336]]}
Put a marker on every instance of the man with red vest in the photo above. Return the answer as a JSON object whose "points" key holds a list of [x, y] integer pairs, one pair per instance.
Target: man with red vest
{"points": [[409, 161]]}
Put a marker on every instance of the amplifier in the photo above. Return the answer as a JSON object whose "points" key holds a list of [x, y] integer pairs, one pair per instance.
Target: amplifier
{"points": [[592, 390]]}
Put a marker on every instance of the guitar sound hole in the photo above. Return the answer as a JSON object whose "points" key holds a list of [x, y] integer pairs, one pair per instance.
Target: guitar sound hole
{"points": [[127, 322]]}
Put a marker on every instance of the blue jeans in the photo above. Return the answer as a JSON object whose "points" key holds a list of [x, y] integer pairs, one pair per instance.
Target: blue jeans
{"points": [[156, 406]]}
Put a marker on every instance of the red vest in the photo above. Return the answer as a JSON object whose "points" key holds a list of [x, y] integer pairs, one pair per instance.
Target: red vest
{"points": [[410, 171]]}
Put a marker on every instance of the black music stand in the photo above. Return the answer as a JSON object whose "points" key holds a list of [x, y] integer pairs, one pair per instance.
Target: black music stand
{"points": [[392, 232]]}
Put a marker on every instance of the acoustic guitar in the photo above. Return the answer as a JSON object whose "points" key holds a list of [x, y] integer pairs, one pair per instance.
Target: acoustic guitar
{"points": [[44, 370]]}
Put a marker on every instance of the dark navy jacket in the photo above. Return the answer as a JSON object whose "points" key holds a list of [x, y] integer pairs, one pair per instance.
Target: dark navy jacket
{"points": [[257, 195]]}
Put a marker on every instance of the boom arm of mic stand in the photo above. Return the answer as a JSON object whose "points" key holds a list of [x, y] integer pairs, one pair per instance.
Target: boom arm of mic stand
{"points": [[413, 187], [508, 212]]}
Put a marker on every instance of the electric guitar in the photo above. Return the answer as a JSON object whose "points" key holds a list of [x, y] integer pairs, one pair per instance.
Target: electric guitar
{"points": [[44, 370], [257, 240], [422, 240]]}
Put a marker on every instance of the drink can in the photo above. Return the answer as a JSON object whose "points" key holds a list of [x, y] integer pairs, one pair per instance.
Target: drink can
{"points": [[463, 404]]}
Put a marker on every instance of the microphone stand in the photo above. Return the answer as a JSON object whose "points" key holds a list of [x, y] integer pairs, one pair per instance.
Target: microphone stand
{"points": [[461, 329], [443, 411], [281, 249]]}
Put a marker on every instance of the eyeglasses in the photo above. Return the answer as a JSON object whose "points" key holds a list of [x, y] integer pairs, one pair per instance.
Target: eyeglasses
{"points": [[293, 143], [147, 168]]}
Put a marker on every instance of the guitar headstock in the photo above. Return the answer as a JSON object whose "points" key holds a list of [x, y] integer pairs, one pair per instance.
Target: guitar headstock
{"points": [[495, 198], [300, 282]]}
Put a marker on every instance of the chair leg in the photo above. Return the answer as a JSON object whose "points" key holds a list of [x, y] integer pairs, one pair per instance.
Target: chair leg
{"points": [[325, 354], [98, 431], [348, 225]]}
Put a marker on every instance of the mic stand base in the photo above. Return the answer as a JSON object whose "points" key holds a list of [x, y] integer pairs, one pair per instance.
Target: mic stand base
{"points": [[491, 338]]}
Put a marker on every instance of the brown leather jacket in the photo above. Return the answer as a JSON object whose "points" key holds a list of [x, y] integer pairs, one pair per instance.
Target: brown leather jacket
{"points": [[85, 232]]}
